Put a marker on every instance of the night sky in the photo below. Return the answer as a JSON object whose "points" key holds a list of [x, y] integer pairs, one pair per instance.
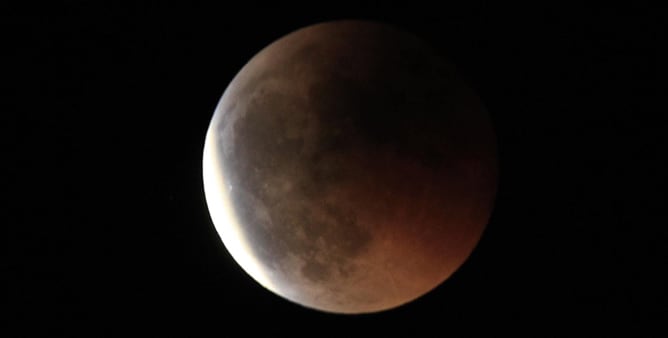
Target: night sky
{"points": [[105, 111]]}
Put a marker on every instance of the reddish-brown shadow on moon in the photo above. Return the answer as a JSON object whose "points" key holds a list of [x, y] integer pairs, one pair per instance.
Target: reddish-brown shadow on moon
{"points": [[348, 169]]}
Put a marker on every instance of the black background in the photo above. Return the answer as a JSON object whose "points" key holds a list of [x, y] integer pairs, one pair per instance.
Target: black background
{"points": [[106, 108]]}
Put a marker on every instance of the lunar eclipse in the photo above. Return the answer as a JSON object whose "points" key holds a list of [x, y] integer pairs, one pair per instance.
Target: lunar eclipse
{"points": [[348, 168]]}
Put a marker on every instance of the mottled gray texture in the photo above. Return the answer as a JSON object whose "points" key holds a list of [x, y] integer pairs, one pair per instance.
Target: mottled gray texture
{"points": [[362, 170]]}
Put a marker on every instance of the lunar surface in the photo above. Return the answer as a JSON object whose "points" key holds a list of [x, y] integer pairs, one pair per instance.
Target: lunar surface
{"points": [[348, 169]]}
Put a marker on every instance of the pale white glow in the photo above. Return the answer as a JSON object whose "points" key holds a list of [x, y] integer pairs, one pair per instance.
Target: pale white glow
{"points": [[222, 213]]}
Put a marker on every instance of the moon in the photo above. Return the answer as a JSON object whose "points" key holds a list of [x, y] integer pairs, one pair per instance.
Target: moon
{"points": [[348, 168]]}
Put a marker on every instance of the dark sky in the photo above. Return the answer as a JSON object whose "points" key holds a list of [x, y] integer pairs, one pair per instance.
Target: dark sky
{"points": [[109, 234]]}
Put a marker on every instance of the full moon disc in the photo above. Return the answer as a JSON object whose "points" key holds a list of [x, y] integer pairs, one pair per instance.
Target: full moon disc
{"points": [[348, 169]]}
